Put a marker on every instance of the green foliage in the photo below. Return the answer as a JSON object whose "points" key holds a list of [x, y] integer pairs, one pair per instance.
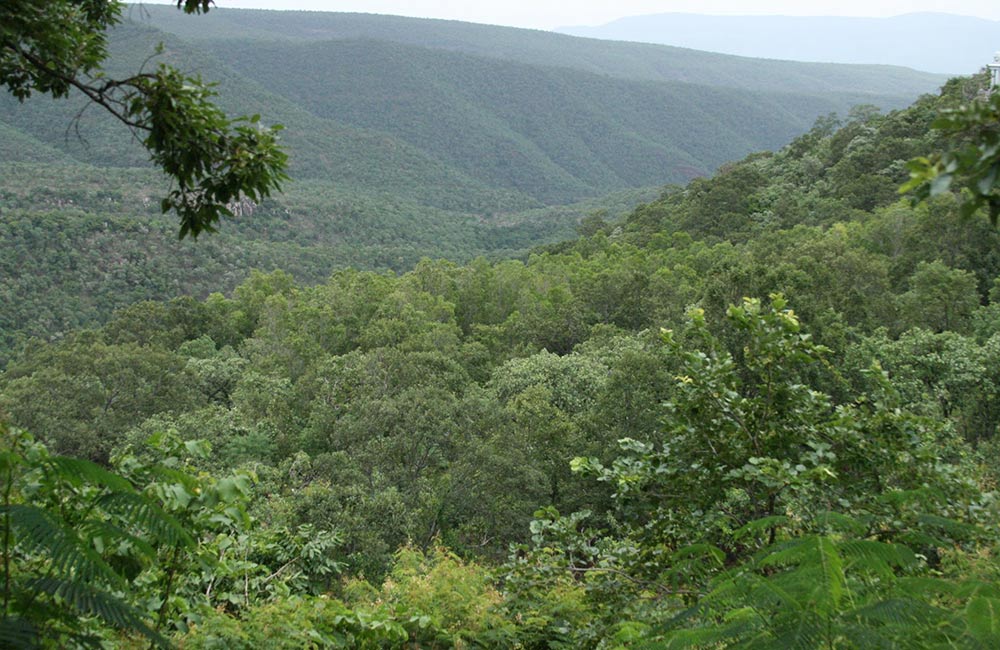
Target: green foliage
{"points": [[974, 162], [74, 535], [451, 602], [827, 591], [755, 484], [59, 46]]}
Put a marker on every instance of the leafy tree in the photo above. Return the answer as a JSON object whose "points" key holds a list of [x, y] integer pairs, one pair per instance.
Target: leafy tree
{"points": [[58, 46], [82, 396], [973, 163], [940, 298], [754, 456]]}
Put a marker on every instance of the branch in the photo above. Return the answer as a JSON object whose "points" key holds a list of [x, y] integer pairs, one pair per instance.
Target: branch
{"points": [[97, 94]]}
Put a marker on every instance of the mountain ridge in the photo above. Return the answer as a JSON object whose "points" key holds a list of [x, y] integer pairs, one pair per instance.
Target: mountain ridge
{"points": [[628, 60], [932, 41]]}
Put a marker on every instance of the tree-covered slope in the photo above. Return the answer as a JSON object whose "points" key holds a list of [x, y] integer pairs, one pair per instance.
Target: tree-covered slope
{"points": [[319, 148], [626, 60], [456, 130], [81, 241], [398, 150], [549, 132], [811, 468]]}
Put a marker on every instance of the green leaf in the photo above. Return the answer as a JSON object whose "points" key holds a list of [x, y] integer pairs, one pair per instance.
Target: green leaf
{"points": [[940, 184], [989, 179], [982, 617]]}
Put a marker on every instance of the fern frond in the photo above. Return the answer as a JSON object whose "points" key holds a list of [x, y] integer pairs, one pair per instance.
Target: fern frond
{"points": [[875, 637], [789, 553], [79, 472], [835, 582], [90, 601], [982, 619], [898, 612], [17, 633], [928, 587], [973, 588], [142, 513], [762, 525], [110, 534], [840, 522], [739, 625], [706, 551], [766, 591], [172, 475], [38, 532], [879, 558], [805, 633], [950, 527]]}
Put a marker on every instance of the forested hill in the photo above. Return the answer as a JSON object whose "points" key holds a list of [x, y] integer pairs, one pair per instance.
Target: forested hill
{"points": [[617, 59], [779, 387], [478, 131]]}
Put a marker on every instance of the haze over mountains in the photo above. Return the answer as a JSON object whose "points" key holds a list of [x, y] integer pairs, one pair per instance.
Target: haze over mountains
{"points": [[936, 42]]}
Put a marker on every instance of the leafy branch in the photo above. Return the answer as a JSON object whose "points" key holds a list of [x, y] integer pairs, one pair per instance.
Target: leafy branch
{"points": [[56, 47], [973, 165]]}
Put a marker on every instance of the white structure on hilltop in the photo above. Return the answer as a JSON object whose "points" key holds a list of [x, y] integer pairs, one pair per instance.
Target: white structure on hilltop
{"points": [[994, 71]]}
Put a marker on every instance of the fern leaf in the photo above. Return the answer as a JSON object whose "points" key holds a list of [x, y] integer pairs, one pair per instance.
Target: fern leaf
{"points": [[17, 633], [898, 611], [717, 636], [764, 591], [37, 531], [929, 588], [982, 617], [875, 637], [110, 534], [972, 588], [789, 553], [88, 600], [804, 633], [760, 526], [142, 513], [840, 522], [707, 551], [833, 572], [950, 527], [78, 472], [879, 558]]}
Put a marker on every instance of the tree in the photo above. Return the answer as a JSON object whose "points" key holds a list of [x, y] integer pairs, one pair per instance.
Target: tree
{"points": [[974, 163], [760, 477], [58, 46]]}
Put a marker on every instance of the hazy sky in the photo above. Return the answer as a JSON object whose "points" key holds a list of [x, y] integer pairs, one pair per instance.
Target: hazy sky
{"points": [[547, 14]]}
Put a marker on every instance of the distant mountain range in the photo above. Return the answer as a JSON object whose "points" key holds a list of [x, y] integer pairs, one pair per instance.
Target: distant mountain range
{"points": [[474, 117], [935, 42]]}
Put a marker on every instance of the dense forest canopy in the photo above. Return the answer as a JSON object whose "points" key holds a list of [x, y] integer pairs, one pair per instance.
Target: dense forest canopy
{"points": [[760, 410]]}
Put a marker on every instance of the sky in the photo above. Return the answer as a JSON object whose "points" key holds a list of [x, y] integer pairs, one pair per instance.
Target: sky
{"points": [[549, 14]]}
